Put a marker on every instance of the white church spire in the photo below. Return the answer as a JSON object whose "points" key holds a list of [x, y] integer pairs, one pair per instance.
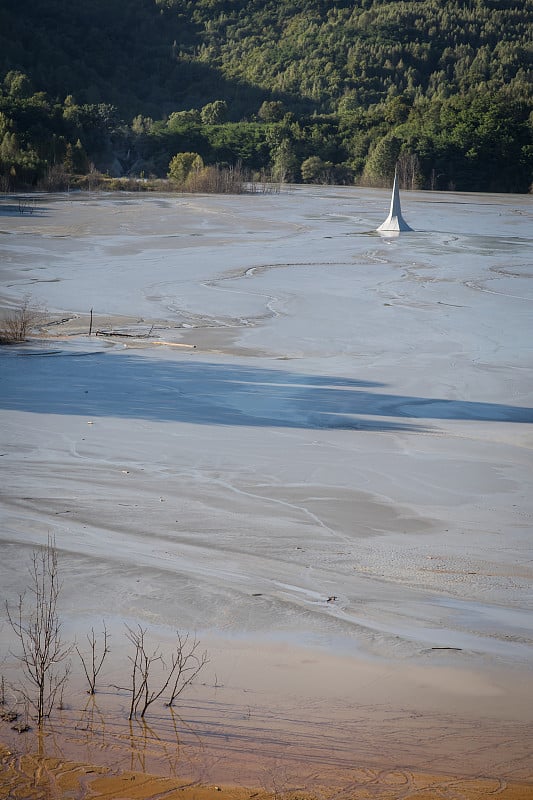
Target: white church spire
{"points": [[395, 221]]}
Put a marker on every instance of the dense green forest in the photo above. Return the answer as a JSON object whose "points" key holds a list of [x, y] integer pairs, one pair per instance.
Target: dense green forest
{"points": [[288, 90]]}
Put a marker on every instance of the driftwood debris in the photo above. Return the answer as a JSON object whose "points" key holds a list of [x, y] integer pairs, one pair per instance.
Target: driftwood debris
{"points": [[125, 335], [121, 333], [143, 336], [54, 322]]}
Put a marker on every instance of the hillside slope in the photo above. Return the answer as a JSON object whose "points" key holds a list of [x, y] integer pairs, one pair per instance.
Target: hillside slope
{"points": [[157, 56], [271, 84]]}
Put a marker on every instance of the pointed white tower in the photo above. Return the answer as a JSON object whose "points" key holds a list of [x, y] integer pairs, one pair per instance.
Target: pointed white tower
{"points": [[395, 221]]}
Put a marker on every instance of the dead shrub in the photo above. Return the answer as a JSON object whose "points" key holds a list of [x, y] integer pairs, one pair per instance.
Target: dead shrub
{"points": [[217, 180], [179, 670], [19, 322]]}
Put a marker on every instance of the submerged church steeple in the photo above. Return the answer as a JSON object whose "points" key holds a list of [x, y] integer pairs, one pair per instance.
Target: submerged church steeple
{"points": [[395, 221]]}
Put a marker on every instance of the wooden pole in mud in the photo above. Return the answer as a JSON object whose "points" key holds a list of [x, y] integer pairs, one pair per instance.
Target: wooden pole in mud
{"points": [[91, 323]]}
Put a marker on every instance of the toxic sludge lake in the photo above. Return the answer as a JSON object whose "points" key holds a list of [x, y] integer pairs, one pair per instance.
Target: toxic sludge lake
{"points": [[313, 448]]}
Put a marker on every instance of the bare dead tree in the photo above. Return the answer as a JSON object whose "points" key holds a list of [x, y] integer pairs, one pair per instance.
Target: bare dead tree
{"points": [[142, 663], [93, 663], [37, 626], [25, 204], [8, 711], [16, 326], [409, 172], [184, 664]]}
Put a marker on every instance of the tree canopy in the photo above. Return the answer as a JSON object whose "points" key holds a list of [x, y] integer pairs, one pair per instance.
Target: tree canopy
{"points": [[321, 90]]}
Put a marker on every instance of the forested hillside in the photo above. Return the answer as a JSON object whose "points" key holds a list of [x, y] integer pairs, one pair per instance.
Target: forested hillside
{"points": [[310, 90]]}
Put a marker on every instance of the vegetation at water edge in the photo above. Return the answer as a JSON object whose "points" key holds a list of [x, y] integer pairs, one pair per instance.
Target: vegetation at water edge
{"points": [[285, 90]]}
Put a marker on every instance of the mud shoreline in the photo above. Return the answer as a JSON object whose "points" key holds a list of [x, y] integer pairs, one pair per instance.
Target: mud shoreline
{"points": [[312, 447]]}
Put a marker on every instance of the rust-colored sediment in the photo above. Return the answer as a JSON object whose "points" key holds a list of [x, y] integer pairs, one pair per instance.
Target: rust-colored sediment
{"points": [[34, 777]]}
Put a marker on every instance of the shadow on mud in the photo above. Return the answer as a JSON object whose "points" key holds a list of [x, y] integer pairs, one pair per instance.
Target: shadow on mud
{"points": [[128, 385]]}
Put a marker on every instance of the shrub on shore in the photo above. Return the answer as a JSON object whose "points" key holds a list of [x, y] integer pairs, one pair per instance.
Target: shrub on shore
{"points": [[18, 323]]}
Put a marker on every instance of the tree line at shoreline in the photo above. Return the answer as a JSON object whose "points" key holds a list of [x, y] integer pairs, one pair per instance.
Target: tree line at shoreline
{"points": [[321, 92]]}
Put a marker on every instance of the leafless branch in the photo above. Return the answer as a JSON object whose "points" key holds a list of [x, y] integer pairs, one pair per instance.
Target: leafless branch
{"points": [[37, 627], [18, 323], [185, 663], [93, 663]]}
